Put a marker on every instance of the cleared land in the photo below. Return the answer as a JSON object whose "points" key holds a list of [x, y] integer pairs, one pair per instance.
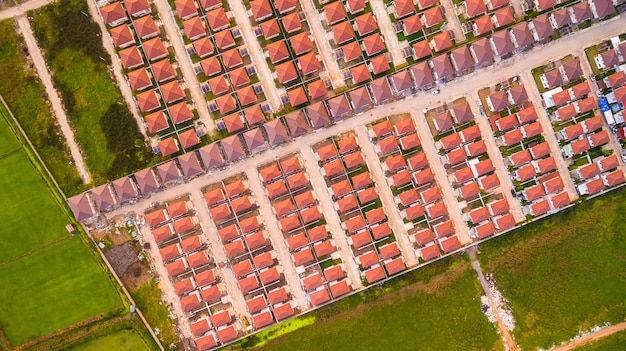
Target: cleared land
{"points": [[148, 299], [24, 95], [437, 306], [105, 129], [122, 340], [565, 273], [51, 285]]}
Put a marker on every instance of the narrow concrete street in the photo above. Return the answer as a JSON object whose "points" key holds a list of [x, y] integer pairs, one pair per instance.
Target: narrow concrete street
{"points": [[588, 72], [332, 218], [548, 133], [53, 97], [219, 254], [278, 241], [389, 34], [441, 176], [256, 53], [16, 11], [518, 8], [184, 62], [510, 342], [122, 84], [453, 22], [386, 197], [323, 45], [498, 161], [166, 286]]}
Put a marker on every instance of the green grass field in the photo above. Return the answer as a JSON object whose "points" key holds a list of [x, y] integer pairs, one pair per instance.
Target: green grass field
{"points": [[123, 340], [565, 273], [613, 342], [438, 309], [46, 285], [148, 299], [23, 94], [31, 218]]}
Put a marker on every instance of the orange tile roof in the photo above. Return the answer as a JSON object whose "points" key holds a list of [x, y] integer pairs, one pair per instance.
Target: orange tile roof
{"points": [[139, 79], [194, 28], [154, 49], [122, 36], [300, 43], [113, 13], [291, 22], [148, 101], [286, 72], [162, 70], [145, 27], [334, 12], [309, 63], [172, 92], [217, 19], [130, 57], [343, 32]]}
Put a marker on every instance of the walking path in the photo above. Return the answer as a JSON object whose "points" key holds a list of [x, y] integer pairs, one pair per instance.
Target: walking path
{"points": [[441, 175], [323, 44], [506, 186], [117, 70], [389, 34], [501, 327], [184, 62], [53, 96], [452, 20], [278, 241], [256, 53], [548, 133], [386, 197]]}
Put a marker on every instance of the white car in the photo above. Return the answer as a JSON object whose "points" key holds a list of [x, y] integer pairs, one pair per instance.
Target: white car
{"points": [[435, 92]]}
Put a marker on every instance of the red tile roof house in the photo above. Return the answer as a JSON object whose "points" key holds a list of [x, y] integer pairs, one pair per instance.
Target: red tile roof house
{"points": [[122, 36], [113, 14], [137, 8]]}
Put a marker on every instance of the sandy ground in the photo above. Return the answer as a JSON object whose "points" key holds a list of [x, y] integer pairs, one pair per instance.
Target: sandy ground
{"points": [[591, 337], [23, 8], [453, 23], [386, 29], [53, 96]]}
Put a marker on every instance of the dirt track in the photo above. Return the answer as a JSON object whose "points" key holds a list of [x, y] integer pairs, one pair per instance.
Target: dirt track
{"points": [[591, 337]]}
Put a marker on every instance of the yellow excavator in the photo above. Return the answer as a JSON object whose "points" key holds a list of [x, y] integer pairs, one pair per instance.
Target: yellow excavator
{"points": [[244, 320]]}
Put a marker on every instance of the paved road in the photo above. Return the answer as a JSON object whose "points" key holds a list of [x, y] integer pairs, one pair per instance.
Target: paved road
{"points": [[166, 286], [184, 62], [386, 197], [278, 241], [219, 254], [256, 53], [441, 176], [332, 218], [548, 133], [53, 96], [21, 9], [510, 343], [591, 337], [389, 34], [452, 19], [117, 70], [498, 161], [323, 44], [584, 64]]}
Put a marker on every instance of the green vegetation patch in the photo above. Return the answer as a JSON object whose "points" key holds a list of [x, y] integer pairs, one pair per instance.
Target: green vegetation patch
{"points": [[25, 96], [53, 289], [120, 341], [616, 341], [30, 216], [565, 273], [149, 302], [104, 127], [436, 307]]}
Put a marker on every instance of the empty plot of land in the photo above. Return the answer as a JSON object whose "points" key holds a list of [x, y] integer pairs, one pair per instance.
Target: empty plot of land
{"points": [[563, 274], [441, 309], [30, 216], [122, 340]]}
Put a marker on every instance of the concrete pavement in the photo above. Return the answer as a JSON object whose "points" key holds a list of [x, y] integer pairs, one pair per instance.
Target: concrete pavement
{"points": [[386, 29], [386, 197], [441, 176], [184, 62], [323, 45], [278, 241], [53, 97], [548, 133], [453, 22], [22, 8], [498, 161], [331, 216], [256, 54]]}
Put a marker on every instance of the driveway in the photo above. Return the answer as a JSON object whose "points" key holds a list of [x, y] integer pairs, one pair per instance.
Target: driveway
{"points": [[386, 28]]}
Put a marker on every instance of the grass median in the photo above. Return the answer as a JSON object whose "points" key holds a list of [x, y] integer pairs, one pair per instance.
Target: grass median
{"points": [[563, 274]]}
